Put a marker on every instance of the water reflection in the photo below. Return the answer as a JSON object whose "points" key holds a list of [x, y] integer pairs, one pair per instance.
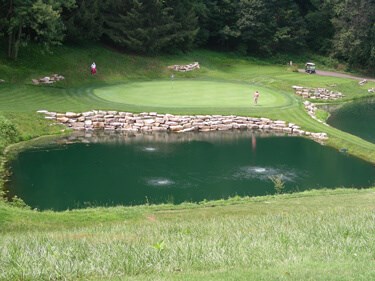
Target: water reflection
{"points": [[357, 118], [253, 142], [110, 169]]}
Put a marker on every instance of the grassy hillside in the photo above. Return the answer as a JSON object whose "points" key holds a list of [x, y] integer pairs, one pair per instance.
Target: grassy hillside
{"points": [[316, 235]]}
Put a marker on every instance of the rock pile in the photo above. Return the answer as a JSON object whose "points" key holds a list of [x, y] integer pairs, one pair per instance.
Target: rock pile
{"points": [[48, 79], [184, 68], [371, 90], [317, 93], [2, 81], [362, 82], [154, 122]]}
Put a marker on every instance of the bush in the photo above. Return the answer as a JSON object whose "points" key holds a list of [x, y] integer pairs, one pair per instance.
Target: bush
{"points": [[8, 131]]}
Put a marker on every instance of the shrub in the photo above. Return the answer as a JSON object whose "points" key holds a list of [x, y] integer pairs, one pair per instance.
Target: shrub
{"points": [[8, 131]]}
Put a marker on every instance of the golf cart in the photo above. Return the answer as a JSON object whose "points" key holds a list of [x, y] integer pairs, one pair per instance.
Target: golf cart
{"points": [[310, 67]]}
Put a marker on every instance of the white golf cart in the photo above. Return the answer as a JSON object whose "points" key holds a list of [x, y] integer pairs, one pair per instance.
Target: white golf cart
{"points": [[310, 67]]}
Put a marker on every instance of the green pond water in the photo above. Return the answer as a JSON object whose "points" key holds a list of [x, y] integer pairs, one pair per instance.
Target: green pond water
{"points": [[357, 118], [173, 168]]}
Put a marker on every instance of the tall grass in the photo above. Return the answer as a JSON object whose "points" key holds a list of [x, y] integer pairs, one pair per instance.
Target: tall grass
{"points": [[295, 238]]}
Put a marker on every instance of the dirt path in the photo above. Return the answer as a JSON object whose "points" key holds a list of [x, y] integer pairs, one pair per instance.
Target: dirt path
{"points": [[337, 74]]}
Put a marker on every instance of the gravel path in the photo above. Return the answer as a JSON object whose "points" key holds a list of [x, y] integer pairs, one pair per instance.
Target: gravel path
{"points": [[336, 74]]}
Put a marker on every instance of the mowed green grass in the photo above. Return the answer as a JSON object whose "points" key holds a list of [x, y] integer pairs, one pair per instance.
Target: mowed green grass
{"points": [[186, 93]]}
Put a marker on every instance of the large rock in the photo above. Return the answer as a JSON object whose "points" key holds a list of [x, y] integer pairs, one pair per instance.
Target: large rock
{"points": [[78, 126], [98, 125], [72, 114], [62, 119], [44, 79], [176, 128], [159, 129]]}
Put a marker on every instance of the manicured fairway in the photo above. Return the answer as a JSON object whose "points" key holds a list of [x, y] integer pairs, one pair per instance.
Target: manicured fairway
{"points": [[185, 93]]}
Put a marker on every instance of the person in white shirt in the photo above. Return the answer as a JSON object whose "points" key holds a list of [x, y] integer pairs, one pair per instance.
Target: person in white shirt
{"points": [[93, 68]]}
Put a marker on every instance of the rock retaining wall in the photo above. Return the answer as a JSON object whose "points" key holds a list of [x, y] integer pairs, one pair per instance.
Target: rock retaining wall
{"points": [[317, 93], [154, 122]]}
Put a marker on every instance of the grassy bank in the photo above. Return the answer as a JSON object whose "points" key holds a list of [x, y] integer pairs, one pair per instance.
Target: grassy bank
{"points": [[316, 235]]}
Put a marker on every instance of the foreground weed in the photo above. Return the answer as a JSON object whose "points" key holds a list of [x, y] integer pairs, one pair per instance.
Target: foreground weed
{"points": [[278, 183]]}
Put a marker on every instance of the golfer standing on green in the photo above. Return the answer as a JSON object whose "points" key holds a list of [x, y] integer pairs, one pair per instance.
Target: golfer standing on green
{"points": [[256, 96]]}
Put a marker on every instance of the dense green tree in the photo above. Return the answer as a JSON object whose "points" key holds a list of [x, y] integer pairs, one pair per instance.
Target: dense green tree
{"points": [[85, 22], [354, 39], [256, 25], [201, 12], [36, 20], [218, 23], [269, 26], [150, 26], [344, 29], [112, 12], [3, 10], [319, 26], [290, 31], [185, 24], [305, 6]]}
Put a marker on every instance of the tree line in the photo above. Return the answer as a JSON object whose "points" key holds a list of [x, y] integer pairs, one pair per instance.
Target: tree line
{"points": [[344, 29]]}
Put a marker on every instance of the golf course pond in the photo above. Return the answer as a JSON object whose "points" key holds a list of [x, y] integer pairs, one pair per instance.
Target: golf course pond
{"points": [[104, 169], [357, 118]]}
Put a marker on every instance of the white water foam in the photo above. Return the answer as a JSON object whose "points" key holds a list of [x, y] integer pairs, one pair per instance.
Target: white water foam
{"points": [[264, 173], [150, 149], [160, 182]]}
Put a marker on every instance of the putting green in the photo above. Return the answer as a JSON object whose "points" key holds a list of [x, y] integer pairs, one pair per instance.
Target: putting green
{"points": [[184, 93]]}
